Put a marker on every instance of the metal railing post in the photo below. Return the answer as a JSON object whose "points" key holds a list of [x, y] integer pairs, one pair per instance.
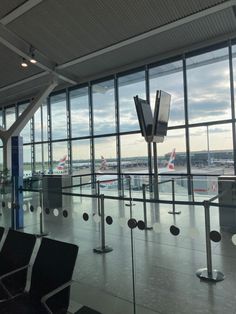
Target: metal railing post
{"points": [[207, 273], [145, 208], [192, 189], [173, 212], [98, 195], [80, 182], [103, 248]]}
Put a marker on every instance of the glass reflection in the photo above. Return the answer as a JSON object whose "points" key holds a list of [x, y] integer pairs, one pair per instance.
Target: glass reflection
{"points": [[37, 126], [38, 158], [104, 108], [209, 86], [105, 154], [1, 117], [130, 86], [59, 116], [1, 155], [169, 78], [174, 141], [10, 114], [81, 163], [59, 158], [27, 166], [79, 112], [216, 154]]}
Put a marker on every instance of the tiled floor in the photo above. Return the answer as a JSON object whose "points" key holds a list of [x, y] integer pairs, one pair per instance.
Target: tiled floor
{"points": [[159, 275]]}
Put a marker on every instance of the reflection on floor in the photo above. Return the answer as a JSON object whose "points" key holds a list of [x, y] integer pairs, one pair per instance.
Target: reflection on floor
{"points": [[164, 265]]}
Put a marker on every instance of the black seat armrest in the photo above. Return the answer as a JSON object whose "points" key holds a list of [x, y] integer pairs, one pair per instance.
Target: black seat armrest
{"points": [[11, 273], [52, 293]]}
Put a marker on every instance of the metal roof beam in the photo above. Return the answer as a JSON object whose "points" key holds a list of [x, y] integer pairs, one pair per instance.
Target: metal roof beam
{"points": [[28, 113], [20, 10], [18, 83]]}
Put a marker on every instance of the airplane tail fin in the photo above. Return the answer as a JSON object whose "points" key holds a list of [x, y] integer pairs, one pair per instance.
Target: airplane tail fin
{"points": [[61, 163], [171, 164], [103, 165]]}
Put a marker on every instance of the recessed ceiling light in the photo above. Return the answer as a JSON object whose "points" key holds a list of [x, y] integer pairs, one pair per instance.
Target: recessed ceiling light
{"points": [[24, 64], [32, 59]]}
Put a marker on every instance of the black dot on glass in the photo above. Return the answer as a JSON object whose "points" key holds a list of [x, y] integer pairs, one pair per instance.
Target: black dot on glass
{"points": [[65, 213], [31, 208], [141, 225], [215, 236], [174, 230], [132, 223], [47, 211], [109, 220], [3, 204], [85, 217]]}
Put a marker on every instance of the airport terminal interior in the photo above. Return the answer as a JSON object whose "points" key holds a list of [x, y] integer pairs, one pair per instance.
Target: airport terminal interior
{"points": [[118, 135]]}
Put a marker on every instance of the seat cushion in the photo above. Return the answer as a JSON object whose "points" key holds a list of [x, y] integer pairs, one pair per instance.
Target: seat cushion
{"points": [[22, 304]]}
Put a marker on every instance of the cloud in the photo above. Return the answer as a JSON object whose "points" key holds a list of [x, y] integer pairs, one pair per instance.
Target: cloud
{"points": [[203, 107]]}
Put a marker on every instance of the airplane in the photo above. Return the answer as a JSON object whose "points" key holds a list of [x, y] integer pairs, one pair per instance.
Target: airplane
{"points": [[222, 162], [170, 165], [29, 177], [60, 168], [110, 181], [103, 165]]}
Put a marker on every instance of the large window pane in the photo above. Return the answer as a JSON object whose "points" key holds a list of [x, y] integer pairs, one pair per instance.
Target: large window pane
{"points": [[234, 71], [1, 118], [133, 153], [104, 108], [134, 161], [130, 86], [105, 154], [81, 157], [38, 158], [45, 162], [37, 126], [79, 112], [1, 155], [10, 113], [45, 122], [27, 160], [209, 86], [169, 78], [211, 149], [175, 140], [58, 116], [60, 152]]}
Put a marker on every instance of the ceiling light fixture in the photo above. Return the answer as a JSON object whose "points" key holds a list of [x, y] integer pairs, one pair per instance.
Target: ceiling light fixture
{"points": [[32, 59], [32, 55], [24, 64]]}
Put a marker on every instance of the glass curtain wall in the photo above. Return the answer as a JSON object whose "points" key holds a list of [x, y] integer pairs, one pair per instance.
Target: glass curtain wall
{"points": [[79, 112], [10, 116], [209, 102], [58, 116], [201, 123], [129, 86], [103, 108]]}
